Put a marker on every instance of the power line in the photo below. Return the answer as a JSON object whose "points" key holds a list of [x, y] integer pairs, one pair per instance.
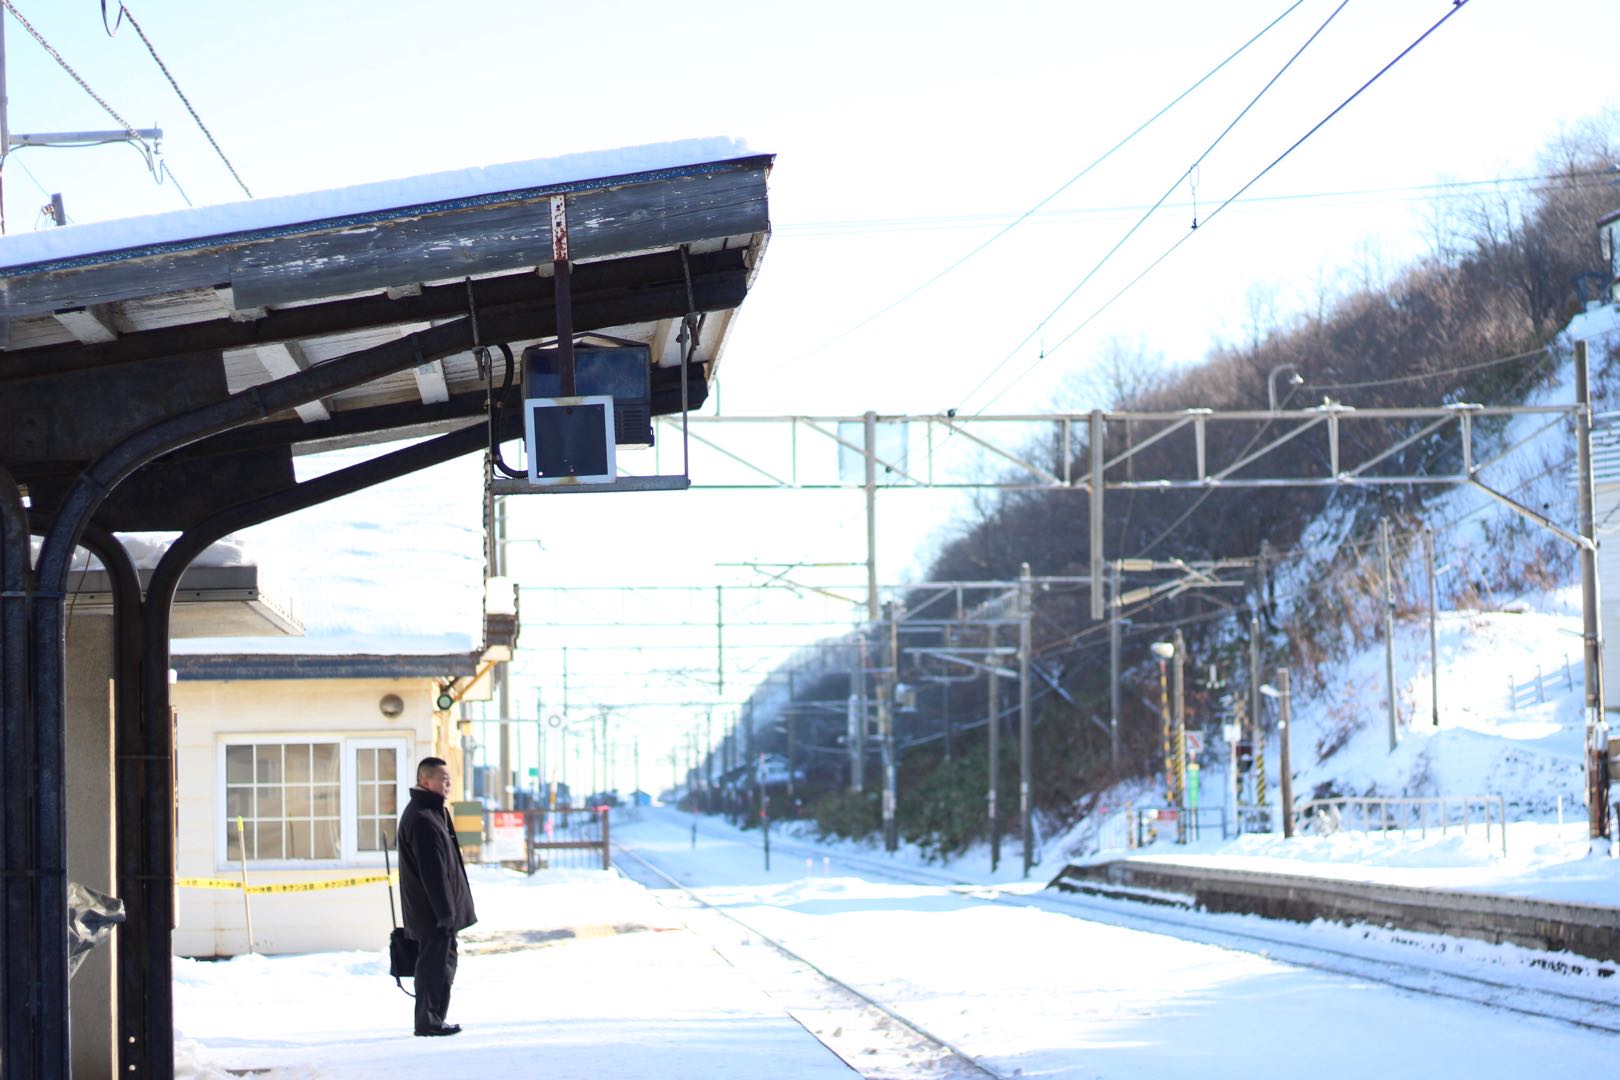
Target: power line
{"points": [[1151, 210], [1060, 189], [1457, 5], [129, 129], [1453, 189], [123, 13]]}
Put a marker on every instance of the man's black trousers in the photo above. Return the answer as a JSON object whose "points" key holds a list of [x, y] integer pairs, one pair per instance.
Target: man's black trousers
{"points": [[435, 971]]}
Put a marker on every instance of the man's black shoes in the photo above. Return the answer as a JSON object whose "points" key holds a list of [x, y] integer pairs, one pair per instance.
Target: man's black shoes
{"points": [[440, 1029]]}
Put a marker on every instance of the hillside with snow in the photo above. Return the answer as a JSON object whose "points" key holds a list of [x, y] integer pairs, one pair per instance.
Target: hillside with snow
{"points": [[1505, 673]]}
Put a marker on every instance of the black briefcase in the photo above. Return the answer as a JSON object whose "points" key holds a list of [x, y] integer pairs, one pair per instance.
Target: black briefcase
{"points": [[401, 949], [401, 955]]}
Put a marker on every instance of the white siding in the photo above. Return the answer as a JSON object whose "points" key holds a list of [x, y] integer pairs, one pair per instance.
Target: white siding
{"points": [[211, 922]]}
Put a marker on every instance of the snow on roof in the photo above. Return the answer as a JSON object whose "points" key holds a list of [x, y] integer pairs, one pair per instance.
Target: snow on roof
{"points": [[396, 569], [183, 228]]}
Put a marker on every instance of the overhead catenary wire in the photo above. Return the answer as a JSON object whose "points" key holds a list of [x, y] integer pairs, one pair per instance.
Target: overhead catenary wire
{"points": [[128, 128], [1457, 5], [1070, 182], [125, 13], [1190, 171], [1435, 192]]}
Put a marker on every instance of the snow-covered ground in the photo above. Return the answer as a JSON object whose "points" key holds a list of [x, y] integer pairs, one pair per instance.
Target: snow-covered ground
{"points": [[586, 974]]}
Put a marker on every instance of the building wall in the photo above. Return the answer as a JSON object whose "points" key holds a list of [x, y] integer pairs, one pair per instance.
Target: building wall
{"points": [[208, 714]]}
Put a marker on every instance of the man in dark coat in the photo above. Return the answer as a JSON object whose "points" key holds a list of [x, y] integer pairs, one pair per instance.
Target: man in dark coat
{"points": [[435, 899]]}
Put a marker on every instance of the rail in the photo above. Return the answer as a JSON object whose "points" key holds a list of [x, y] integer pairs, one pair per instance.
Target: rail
{"points": [[1323, 817]]}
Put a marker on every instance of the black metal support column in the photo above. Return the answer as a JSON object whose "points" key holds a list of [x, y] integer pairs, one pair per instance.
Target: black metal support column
{"points": [[146, 1015], [16, 576], [34, 947]]}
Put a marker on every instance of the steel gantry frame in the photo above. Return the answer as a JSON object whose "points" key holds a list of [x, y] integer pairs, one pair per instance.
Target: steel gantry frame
{"points": [[1076, 454], [1080, 459]]}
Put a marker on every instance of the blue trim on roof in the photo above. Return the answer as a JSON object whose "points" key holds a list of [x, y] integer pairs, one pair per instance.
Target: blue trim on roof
{"points": [[371, 217], [267, 666]]}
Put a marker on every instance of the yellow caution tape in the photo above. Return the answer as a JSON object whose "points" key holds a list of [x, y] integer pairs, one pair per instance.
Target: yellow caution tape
{"points": [[289, 886]]}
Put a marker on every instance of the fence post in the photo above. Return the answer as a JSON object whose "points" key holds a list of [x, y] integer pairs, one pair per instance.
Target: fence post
{"points": [[607, 858]]}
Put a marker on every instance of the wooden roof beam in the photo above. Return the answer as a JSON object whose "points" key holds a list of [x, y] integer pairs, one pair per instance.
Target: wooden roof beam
{"points": [[358, 313], [91, 325], [281, 359]]}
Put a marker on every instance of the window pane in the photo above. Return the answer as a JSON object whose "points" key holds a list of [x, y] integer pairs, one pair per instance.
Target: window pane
{"points": [[367, 838], [388, 799], [326, 839], [290, 795], [239, 764], [271, 845], [368, 800], [267, 764], [387, 765], [387, 829], [365, 762]]}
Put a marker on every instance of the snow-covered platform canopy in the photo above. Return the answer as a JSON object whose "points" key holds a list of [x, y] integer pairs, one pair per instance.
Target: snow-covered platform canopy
{"points": [[108, 327]]}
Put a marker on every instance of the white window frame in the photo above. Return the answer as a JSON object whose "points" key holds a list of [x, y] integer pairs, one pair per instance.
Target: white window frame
{"points": [[348, 796]]}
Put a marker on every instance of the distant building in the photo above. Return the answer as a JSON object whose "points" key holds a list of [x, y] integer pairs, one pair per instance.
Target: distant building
{"points": [[297, 751]]}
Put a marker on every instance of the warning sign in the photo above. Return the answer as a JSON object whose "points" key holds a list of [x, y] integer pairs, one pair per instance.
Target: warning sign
{"points": [[506, 837]]}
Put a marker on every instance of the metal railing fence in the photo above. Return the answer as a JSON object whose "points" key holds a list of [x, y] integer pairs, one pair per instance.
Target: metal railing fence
{"points": [[574, 837], [1403, 814]]}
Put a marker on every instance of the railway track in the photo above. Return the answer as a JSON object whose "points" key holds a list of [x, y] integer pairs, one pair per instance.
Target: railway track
{"points": [[1524, 982], [870, 1036]]}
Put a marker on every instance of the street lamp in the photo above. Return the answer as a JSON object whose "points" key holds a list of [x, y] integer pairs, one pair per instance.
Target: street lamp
{"points": [[1280, 692], [1271, 382]]}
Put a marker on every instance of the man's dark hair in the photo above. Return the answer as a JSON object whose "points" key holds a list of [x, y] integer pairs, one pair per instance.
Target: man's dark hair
{"points": [[430, 763]]}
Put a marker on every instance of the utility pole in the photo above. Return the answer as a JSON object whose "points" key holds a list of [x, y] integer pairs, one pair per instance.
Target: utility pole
{"points": [[1434, 638], [945, 694], [886, 706], [504, 794], [720, 641], [1597, 726], [708, 754], [869, 486], [55, 138], [1286, 769], [857, 776], [995, 754], [1254, 674], [1026, 605], [1389, 630], [1178, 688], [1113, 668]]}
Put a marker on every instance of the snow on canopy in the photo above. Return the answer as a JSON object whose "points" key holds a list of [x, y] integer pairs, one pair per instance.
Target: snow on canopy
{"points": [[224, 220]]}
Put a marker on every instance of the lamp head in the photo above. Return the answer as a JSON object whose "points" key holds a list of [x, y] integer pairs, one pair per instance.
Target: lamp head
{"points": [[1164, 650], [1271, 691]]}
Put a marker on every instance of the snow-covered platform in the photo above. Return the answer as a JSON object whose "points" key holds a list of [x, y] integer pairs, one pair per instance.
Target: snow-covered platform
{"points": [[567, 974]]}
